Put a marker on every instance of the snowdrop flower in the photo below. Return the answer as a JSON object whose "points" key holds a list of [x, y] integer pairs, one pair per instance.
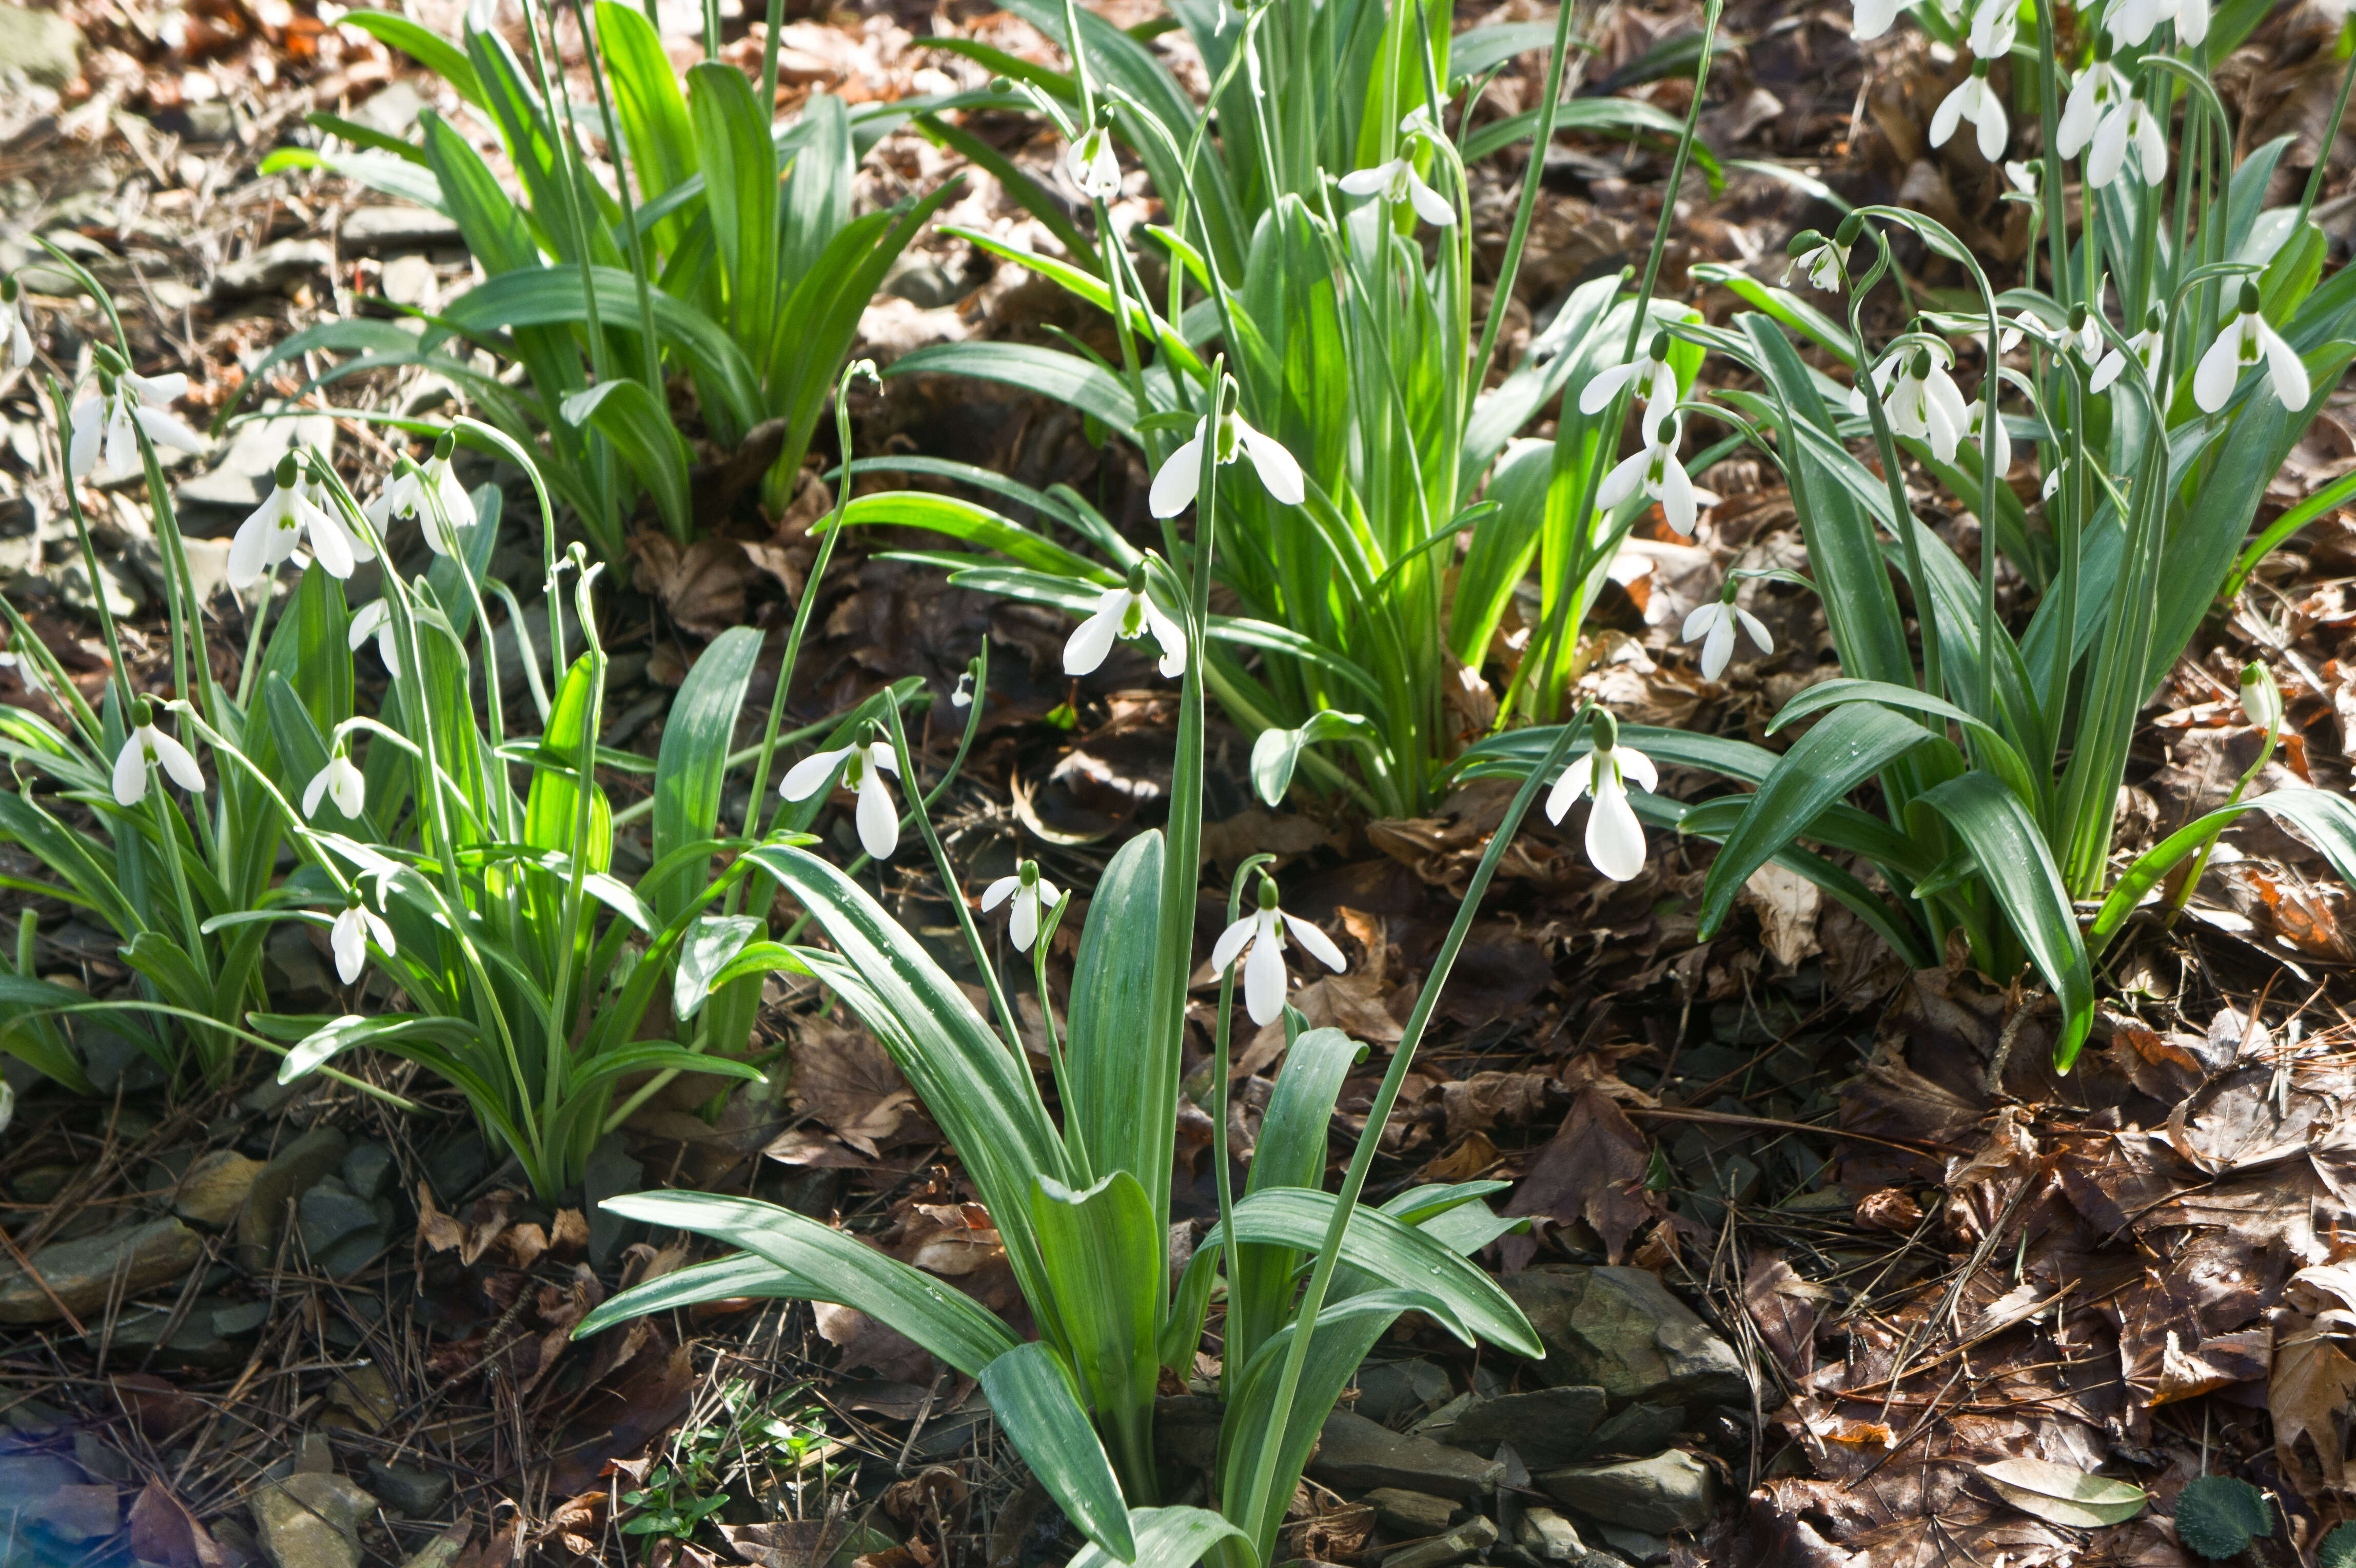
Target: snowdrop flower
{"points": [[1616, 839], [2245, 339], [1872, 17], [1655, 469], [1125, 612], [1714, 625], [2054, 481], [374, 618], [1655, 384], [2144, 348], [1975, 101], [1174, 486], [2131, 21], [1816, 259], [1921, 397], [1971, 430], [1396, 180], [2024, 323], [2261, 702], [2130, 127], [1033, 896], [963, 696], [1093, 165], [339, 781], [147, 748], [2099, 89], [107, 416], [16, 323], [1264, 974], [1993, 23], [351, 935], [861, 768], [2023, 177], [266, 538], [430, 492]]}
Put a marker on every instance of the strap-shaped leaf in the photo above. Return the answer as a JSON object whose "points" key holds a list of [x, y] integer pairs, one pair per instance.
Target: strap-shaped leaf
{"points": [[1123, 1110], [1167, 1538], [2327, 820], [978, 526], [641, 428], [1031, 1398], [1291, 1153], [1067, 377], [2002, 758], [943, 1319], [1105, 1261], [722, 1279], [691, 767]]}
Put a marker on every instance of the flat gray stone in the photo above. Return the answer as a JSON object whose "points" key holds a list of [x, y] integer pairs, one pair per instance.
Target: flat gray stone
{"points": [[1396, 1391], [420, 1494], [1410, 1515], [368, 1169], [1669, 1492], [298, 1167], [82, 1274], [276, 265], [1354, 1452], [1551, 1537], [369, 229], [1620, 1329], [1636, 1546], [1639, 1429], [1546, 1426], [215, 1188], [39, 46], [1474, 1536], [310, 1521]]}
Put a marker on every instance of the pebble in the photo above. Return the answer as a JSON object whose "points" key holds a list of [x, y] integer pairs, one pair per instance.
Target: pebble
{"points": [[1670, 1491], [1354, 1452], [420, 1494], [310, 1521], [1409, 1515], [82, 1274], [1474, 1536], [295, 1169], [215, 1188], [1621, 1330]]}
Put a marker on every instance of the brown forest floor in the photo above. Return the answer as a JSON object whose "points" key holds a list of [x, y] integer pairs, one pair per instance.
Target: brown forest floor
{"points": [[1920, 1270]]}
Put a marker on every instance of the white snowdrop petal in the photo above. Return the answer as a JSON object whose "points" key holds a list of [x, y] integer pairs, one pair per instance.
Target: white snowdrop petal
{"points": [[1275, 466], [1616, 839], [1093, 639], [812, 773], [176, 762], [1636, 768], [1568, 787], [130, 779], [1231, 942], [878, 818], [1264, 982], [999, 891], [1319, 945], [2220, 368]]}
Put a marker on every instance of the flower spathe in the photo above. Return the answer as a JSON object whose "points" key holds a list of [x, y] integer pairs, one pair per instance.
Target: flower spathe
{"points": [[2261, 702], [1033, 896], [374, 618], [1182, 473], [2246, 340], [102, 423], [2129, 127], [1655, 469], [1616, 839], [1123, 613], [861, 769], [269, 534], [1263, 930], [1093, 165], [349, 937], [1975, 101], [339, 781], [146, 749], [1714, 625], [1655, 384]]}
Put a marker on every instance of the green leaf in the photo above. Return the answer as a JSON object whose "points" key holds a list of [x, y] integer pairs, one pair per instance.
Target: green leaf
{"points": [[976, 525], [2339, 1548], [2018, 865], [424, 45], [1167, 1538], [1291, 1153], [1124, 1110], [24, 1036], [1067, 377], [643, 432], [1627, 116], [1106, 1262], [2326, 819], [738, 1274], [712, 944], [740, 189], [389, 1032], [2001, 757], [2059, 1495], [2219, 1516], [647, 102], [1031, 1398], [691, 767], [1277, 752], [943, 1319]]}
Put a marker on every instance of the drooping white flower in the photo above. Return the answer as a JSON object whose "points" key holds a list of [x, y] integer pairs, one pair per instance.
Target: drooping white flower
{"points": [[1820, 264], [1396, 180], [1972, 429], [2100, 87], [1655, 469], [339, 781], [430, 492], [349, 937], [1127, 611], [2145, 349], [1655, 384], [1993, 23], [861, 767], [1033, 896], [1713, 626], [1872, 18], [2129, 127], [1181, 473], [2261, 702], [1616, 839], [2247, 338], [2024, 323], [963, 696], [2131, 21], [1975, 101], [374, 618], [2021, 177], [294, 508], [2054, 481], [16, 323], [1921, 398], [1263, 931], [104, 421], [147, 748], [1093, 165]]}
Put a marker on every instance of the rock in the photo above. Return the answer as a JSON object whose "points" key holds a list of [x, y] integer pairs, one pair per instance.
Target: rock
{"points": [[274, 267], [215, 502], [1474, 1536], [340, 1230], [102, 1461], [1409, 1514], [365, 1395], [1635, 1545], [392, 109], [368, 1169], [924, 283], [1546, 1426], [1551, 1537], [31, 1418], [1395, 1392], [310, 1521], [369, 229], [79, 1513], [27, 1478], [82, 1274], [441, 1551], [215, 1188], [1354, 1452], [139, 1332], [1670, 1491], [1620, 1329], [299, 1167], [39, 46], [71, 579], [313, 1457], [1639, 1429], [420, 1494], [610, 1173], [1186, 1433], [411, 280], [213, 121]]}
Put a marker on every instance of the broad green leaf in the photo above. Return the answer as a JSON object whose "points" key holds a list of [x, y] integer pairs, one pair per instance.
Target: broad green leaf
{"points": [[722, 1279], [740, 189], [1031, 1399], [1067, 377], [1291, 1153], [1122, 1109], [977, 525], [384, 1032], [691, 767], [942, 1318], [712, 944], [647, 102], [2218, 1516], [1277, 752], [424, 45], [2001, 758], [643, 432], [1105, 1261], [2327, 820], [1168, 1538], [24, 1000], [2059, 1495]]}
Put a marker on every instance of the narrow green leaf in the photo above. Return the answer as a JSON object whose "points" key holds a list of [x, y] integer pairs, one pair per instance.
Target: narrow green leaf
{"points": [[1031, 1398]]}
